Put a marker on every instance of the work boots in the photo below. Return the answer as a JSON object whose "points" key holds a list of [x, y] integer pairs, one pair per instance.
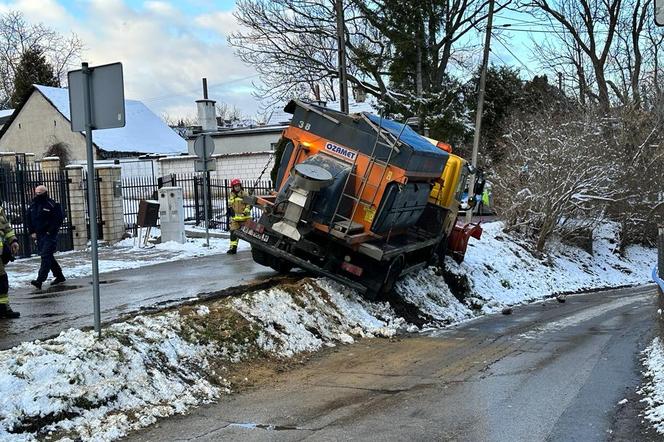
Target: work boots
{"points": [[6, 312], [232, 250]]}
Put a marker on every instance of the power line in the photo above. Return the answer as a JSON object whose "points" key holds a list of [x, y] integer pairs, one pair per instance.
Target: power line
{"points": [[499, 40]]}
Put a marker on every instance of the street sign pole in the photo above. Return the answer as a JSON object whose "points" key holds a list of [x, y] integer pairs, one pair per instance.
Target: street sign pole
{"points": [[204, 148], [205, 201], [92, 199]]}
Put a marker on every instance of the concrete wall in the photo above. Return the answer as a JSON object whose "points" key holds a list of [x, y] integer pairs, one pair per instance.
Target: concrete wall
{"points": [[246, 166], [37, 127], [241, 143]]}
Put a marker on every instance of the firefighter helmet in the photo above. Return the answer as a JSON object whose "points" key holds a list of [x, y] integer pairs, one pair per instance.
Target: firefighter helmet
{"points": [[235, 182]]}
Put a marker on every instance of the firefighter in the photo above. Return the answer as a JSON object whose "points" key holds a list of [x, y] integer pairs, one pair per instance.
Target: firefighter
{"points": [[238, 211], [7, 237]]}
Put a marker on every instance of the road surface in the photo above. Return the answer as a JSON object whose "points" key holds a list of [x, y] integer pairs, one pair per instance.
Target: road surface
{"points": [[47, 313], [547, 372]]}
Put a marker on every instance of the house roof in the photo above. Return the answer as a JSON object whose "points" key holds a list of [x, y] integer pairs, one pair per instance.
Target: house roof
{"points": [[144, 132], [5, 115]]}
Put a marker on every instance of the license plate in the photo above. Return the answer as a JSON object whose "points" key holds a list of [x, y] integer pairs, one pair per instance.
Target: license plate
{"points": [[262, 236]]}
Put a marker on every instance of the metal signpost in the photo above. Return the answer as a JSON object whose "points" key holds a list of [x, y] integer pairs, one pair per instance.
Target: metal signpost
{"points": [[96, 101], [204, 148]]}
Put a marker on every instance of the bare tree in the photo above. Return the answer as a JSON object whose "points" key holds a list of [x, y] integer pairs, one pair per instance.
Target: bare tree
{"points": [[604, 47], [17, 36], [554, 179], [293, 45]]}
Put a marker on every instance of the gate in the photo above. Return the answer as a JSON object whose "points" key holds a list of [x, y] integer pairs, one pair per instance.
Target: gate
{"points": [[17, 186]]}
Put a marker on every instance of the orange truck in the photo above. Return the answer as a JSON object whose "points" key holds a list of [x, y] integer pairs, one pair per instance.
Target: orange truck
{"points": [[358, 198]]}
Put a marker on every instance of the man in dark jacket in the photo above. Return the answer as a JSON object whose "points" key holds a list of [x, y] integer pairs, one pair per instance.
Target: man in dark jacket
{"points": [[43, 222]]}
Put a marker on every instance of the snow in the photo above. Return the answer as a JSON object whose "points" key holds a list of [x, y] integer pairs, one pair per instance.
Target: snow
{"points": [[144, 132], [320, 313], [155, 366], [518, 276], [122, 255], [100, 389], [653, 388], [6, 112]]}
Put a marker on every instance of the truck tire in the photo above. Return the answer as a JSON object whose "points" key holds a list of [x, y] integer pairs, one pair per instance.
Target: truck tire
{"points": [[280, 265], [260, 257]]}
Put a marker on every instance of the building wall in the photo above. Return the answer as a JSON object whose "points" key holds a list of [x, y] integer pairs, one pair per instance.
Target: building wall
{"points": [[253, 142], [37, 127], [246, 166]]}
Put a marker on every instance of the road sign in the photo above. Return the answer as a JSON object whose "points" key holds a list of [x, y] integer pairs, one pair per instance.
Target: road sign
{"points": [[204, 147], [205, 165], [96, 101], [106, 89]]}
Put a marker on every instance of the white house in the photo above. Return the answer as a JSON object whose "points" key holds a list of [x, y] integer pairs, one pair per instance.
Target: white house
{"points": [[42, 121]]}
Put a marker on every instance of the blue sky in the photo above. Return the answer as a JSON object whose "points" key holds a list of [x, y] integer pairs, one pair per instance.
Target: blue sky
{"points": [[166, 47]]}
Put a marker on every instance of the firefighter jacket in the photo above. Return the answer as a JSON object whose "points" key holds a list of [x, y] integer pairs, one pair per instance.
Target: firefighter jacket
{"points": [[240, 211], [6, 231]]}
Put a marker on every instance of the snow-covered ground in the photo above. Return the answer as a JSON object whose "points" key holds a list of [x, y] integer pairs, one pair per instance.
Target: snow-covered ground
{"points": [[74, 386], [122, 255]]}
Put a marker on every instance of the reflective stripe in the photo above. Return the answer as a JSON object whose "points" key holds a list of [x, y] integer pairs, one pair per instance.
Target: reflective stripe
{"points": [[241, 218], [4, 299], [234, 243]]}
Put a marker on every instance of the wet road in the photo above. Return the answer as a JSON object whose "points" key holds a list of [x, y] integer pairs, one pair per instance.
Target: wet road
{"points": [[123, 292], [548, 372]]}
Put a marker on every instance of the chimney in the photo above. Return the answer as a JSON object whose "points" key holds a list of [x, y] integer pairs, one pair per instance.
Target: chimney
{"points": [[207, 116]]}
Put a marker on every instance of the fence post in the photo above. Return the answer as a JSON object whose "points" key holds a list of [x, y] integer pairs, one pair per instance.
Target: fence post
{"points": [[660, 254], [50, 164], [77, 207], [208, 183], [196, 197], [110, 199], [228, 219]]}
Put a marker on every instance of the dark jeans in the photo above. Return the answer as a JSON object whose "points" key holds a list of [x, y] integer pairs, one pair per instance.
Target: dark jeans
{"points": [[47, 245]]}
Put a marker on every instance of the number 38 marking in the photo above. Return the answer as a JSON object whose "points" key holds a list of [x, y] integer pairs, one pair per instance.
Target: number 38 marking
{"points": [[301, 124]]}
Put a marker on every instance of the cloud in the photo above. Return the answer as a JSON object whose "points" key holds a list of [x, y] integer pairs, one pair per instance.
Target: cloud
{"points": [[164, 51], [222, 22]]}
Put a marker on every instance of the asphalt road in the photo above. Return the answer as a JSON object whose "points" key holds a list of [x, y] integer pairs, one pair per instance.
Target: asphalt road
{"points": [[549, 371], [47, 313]]}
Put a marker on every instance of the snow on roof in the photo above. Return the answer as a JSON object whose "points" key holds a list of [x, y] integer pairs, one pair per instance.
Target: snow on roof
{"points": [[6, 112], [144, 131]]}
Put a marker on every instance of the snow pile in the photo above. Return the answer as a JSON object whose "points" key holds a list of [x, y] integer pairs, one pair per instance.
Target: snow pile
{"points": [[314, 313], [653, 389], [75, 385], [428, 291], [501, 271]]}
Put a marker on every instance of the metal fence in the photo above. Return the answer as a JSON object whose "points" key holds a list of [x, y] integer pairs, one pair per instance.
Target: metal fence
{"points": [[135, 189], [16, 192]]}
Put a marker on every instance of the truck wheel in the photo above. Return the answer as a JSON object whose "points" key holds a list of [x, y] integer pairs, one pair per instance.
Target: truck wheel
{"points": [[260, 257], [394, 269], [280, 265]]}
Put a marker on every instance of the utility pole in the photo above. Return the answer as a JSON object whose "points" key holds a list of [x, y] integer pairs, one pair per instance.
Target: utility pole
{"points": [[480, 108], [341, 48]]}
